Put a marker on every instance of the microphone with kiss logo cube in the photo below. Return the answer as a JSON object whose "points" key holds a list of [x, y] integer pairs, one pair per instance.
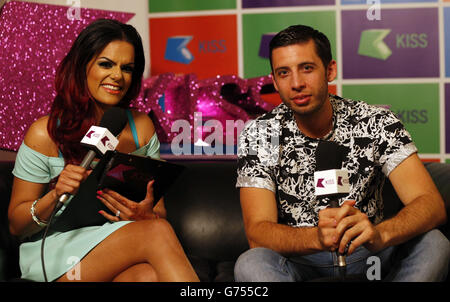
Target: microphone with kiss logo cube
{"points": [[100, 139], [330, 180]]}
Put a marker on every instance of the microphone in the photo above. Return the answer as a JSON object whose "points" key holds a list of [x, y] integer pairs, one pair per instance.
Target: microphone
{"points": [[100, 139], [330, 180]]}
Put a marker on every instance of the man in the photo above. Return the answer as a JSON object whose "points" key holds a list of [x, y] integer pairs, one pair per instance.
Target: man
{"points": [[292, 234]]}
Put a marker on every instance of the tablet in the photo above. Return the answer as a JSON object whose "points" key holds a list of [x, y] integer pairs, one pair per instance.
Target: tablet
{"points": [[126, 174], [129, 175]]}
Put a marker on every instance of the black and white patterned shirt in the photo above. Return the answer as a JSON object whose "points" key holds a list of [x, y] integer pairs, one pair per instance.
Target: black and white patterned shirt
{"points": [[275, 155]]}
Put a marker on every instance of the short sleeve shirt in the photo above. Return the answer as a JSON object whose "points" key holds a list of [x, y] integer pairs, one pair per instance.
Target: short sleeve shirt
{"points": [[273, 154]]}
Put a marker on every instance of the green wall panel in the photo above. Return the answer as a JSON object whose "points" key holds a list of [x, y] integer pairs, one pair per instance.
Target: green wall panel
{"points": [[416, 105]]}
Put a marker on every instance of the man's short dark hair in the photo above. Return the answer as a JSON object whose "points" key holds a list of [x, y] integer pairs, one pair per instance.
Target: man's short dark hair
{"points": [[298, 34]]}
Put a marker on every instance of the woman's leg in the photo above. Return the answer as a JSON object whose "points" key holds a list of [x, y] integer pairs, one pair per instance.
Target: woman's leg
{"points": [[149, 241], [142, 272]]}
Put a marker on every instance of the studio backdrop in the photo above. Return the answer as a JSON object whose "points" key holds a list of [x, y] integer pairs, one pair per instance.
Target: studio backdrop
{"points": [[207, 60]]}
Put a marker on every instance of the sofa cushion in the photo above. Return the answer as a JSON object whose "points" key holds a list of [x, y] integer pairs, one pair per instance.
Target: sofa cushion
{"points": [[9, 252], [204, 209]]}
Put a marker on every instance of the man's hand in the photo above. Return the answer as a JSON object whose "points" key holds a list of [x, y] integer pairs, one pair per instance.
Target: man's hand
{"points": [[328, 235], [354, 227], [341, 226]]}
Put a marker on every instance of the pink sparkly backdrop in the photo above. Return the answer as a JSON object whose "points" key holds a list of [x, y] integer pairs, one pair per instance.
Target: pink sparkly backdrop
{"points": [[33, 40], [177, 97], [35, 37]]}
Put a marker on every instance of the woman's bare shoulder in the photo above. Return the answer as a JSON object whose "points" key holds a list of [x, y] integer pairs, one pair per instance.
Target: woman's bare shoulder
{"points": [[144, 125], [38, 138]]}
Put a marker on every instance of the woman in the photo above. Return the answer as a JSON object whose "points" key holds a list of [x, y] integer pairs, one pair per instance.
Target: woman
{"points": [[103, 68]]}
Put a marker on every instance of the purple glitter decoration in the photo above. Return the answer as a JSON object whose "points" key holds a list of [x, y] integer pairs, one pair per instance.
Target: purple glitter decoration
{"points": [[33, 40], [185, 94]]}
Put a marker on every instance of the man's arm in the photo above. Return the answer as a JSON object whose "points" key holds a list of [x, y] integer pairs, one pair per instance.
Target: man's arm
{"points": [[260, 216], [424, 208]]}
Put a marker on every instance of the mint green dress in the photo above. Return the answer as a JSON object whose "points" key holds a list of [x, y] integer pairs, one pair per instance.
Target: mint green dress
{"points": [[62, 249]]}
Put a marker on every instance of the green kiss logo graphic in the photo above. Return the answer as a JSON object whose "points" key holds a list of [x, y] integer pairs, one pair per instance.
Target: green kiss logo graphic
{"points": [[371, 44]]}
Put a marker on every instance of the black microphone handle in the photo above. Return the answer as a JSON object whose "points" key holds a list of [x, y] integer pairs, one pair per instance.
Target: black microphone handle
{"points": [[342, 263], [87, 160], [334, 203]]}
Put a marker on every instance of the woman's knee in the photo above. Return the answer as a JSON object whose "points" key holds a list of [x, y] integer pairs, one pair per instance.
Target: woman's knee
{"points": [[142, 272], [153, 228], [155, 233], [160, 226]]}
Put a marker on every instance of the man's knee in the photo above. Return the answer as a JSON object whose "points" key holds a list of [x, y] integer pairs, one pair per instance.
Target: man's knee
{"points": [[439, 248], [257, 264], [427, 257], [437, 244]]}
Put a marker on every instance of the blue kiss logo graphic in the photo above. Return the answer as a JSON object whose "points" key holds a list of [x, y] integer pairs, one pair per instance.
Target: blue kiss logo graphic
{"points": [[176, 49]]}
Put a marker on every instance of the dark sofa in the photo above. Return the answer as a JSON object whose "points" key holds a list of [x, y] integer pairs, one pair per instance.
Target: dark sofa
{"points": [[203, 208]]}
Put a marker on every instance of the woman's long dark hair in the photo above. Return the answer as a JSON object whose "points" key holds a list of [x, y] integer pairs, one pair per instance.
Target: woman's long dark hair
{"points": [[73, 109]]}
